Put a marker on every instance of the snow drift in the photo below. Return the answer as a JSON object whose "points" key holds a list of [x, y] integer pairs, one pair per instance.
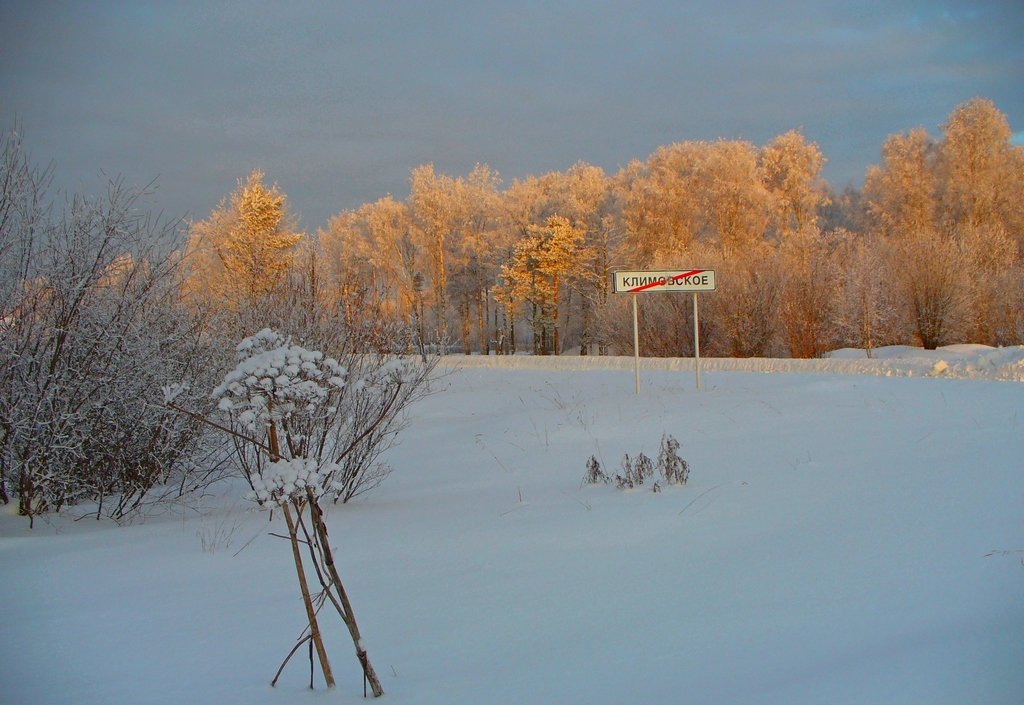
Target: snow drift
{"points": [[844, 537]]}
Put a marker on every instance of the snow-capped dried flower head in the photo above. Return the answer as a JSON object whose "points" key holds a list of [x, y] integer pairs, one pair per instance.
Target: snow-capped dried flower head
{"points": [[274, 380], [285, 479], [266, 339]]}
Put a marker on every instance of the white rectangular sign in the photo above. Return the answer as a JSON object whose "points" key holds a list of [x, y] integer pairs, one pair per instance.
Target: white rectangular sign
{"points": [[671, 280]]}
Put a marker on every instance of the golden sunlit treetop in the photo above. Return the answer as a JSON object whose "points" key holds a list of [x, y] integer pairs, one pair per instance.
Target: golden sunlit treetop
{"points": [[246, 246]]}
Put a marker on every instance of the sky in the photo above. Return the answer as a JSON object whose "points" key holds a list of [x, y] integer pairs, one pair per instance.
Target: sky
{"points": [[337, 102]]}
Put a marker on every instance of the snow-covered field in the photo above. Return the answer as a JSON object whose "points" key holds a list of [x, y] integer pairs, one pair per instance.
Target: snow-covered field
{"points": [[852, 532]]}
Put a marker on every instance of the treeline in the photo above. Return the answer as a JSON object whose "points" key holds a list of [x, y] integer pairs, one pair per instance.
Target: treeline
{"points": [[928, 253], [101, 306]]}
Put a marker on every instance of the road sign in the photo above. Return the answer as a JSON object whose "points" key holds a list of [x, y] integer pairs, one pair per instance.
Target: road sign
{"points": [[671, 280], [690, 280]]}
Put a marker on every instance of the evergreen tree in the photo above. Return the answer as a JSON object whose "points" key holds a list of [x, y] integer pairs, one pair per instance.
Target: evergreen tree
{"points": [[244, 249]]}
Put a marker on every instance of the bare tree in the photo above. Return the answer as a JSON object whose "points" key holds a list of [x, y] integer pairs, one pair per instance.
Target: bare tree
{"points": [[92, 327], [866, 310], [808, 300]]}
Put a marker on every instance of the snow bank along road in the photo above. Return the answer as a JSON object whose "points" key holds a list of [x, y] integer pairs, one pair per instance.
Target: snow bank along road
{"points": [[965, 361]]}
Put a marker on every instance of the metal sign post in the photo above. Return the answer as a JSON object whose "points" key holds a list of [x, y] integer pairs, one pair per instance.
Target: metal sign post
{"points": [[693, 280], [636, 346], [696, 341]]}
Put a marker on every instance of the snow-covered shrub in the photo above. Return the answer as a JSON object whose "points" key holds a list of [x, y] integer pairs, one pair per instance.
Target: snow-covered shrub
{"points": [[674, 469], [595, 475], [625, 480], [287, 403], [634, 473], [91, 330], [643, 468], [307, 426]]}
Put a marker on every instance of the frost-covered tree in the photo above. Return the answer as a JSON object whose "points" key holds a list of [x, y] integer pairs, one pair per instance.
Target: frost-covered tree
{"points": [[435, 210], [975, 165], [931, 278], [585, 198], [370, 265], [901, 194], [735, 201], [947, 209], [744, 311], [90, 327], [790, 169], [866, 310], [476, 255], [537, 275], [661, 201], [808, 298], [243, 251]]}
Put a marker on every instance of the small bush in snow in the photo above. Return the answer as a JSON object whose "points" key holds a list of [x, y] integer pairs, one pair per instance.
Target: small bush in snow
{"points": [[336, 417], [625, 480], [634, 473], [306, 427], [674, 469], [643, 468], [595, 474]]}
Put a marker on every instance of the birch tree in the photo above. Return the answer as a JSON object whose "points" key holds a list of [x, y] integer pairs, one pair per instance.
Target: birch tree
{"points": [[901, 193], [476, 249], [950, 207], [432, 199], [736, 204], [808, 301], [374, 269], [536, 276], [974, 165], [866, 308], [661, 202], [981, 176], [791, 171]]}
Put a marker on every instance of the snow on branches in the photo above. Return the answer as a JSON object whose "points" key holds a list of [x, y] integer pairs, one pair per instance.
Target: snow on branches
{"points": [[306, 426], [283, 402]]}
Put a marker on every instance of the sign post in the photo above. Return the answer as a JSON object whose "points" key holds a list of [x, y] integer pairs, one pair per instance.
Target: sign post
{"points": [[636, 346], [693, 280], [696, 341]]}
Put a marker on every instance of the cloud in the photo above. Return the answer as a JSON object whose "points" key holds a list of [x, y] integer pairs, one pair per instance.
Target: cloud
{"points": [[338, 102]]}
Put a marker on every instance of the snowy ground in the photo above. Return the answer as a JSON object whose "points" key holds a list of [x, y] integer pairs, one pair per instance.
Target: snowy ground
{"points": [[852, 532]]}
